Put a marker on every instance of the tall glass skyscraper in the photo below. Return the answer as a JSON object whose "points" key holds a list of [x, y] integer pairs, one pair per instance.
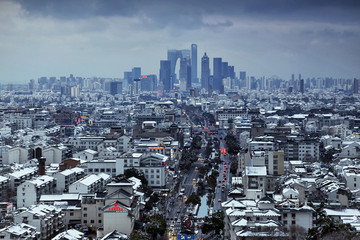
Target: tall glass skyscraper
{"points": [[217, 81], [165, 75], [205, 72], [194, 63]]}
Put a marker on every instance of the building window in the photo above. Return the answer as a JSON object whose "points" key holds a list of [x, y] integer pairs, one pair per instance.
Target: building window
{"points": [[293, 222], [92, 221], [85, 215], [71, 214], [85, 208], [99, 215], [285, 222], [293, 215], [99, 221], [285, 215], [85, 221]]}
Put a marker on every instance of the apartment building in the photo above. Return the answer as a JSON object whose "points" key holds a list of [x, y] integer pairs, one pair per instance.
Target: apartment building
{"points": [[29, 192]]}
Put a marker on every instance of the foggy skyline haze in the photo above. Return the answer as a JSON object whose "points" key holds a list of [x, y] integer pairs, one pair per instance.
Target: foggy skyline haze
{"points": [[105, 38]]}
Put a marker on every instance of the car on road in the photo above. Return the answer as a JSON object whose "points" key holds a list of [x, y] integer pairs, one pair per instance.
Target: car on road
{"points": [[219, 200]]}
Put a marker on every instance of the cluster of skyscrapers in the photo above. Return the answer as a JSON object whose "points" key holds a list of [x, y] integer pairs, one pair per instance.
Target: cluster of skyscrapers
{"points": [[188, 71]]}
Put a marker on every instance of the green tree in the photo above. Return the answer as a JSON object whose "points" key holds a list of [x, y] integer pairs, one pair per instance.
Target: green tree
{"points": [[155, 225], [212, 180], [133, 172], [196, 143], [234, 167], [140, 235], [233, 147], [187, 158], [326, 226], [193, 199], [215, 223]]}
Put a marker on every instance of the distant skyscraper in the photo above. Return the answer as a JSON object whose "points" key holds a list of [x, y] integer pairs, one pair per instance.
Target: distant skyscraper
{"points": [[115, 88], [224, 69], [127, 79], [173, 55], [243, 76], [137, 86], [165, 75], [231, 72], [302, 85], [356, 85], [185, 71], [135, 74], [194, 63], [148, 83], [217, 81], [188, 77], [205, 72]]}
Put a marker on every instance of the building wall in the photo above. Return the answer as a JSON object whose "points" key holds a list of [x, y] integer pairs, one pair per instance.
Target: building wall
{"points": [[52, 155], [112, 220], [18, 155], [26, 195], [92, 214]]}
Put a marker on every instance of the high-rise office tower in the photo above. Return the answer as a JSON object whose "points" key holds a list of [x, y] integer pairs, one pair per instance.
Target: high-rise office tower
{"points": [[302, 86], [205, 72], [356, 85], [148, 82], [127, 78], [194, 63], [217, 75], [135, 74], [243, 76], [188, 76], [173, 55], [165, 75], [231, 72], [136, 88], [115, 88], [225, 69], [185, 71]]}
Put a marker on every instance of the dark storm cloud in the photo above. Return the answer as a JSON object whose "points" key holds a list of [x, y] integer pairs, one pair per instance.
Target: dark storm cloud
{"points": [[189, 14]]}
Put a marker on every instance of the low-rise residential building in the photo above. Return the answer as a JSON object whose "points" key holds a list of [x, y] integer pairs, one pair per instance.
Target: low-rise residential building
{"points": [[70, 234], [19, 231], [48, 220], [110, 167], [254, 181], [90, 184], [65, 178], [20, 176], [29, 192]]}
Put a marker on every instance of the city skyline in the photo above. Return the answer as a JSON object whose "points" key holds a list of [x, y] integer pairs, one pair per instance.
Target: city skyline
{"points": [[105, 39]]}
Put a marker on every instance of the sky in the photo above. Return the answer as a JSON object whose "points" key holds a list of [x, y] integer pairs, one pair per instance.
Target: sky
{"points": [[104, 38]]}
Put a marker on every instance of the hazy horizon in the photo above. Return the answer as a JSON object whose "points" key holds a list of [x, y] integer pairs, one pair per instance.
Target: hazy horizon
{"points": [[105, 38]]}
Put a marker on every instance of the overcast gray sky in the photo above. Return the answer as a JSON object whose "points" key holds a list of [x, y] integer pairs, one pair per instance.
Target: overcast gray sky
{"points": [[105, 38]]}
